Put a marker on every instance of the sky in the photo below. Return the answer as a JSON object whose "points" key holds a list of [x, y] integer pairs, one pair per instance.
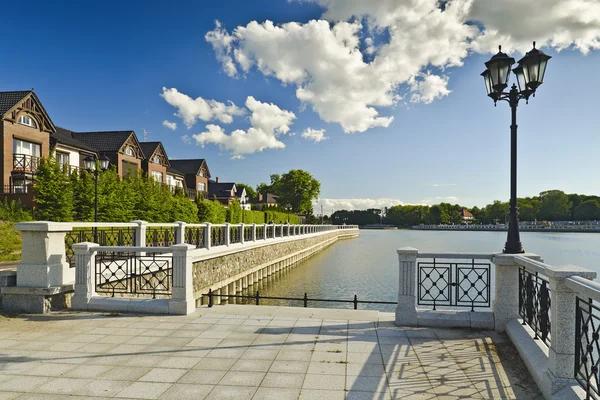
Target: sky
{"points": [[380, 100]]}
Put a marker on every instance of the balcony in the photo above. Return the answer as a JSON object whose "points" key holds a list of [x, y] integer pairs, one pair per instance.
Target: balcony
{"points": [[25, 163]]}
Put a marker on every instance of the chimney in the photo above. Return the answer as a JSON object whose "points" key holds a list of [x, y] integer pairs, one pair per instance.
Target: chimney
{"points": [[260, 197], [217, 179]]}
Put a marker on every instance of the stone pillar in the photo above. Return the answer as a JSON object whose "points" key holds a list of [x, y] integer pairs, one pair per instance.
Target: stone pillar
{"points": [[43, 260], [264, 231], [218, 299], [506, 298], [140, 233], [85, 279], [206, 236], [182, 300], [406, 311], [251, 279], [242, 233], [180, 232], [226, 236]]}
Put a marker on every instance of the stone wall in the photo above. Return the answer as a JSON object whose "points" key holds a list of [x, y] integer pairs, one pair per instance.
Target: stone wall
{"points": [[213, 271]]}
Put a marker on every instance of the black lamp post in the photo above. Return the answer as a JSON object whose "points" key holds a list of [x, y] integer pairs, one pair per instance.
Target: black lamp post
{"points": [[243, 204], [91, 166], [530, 75]]}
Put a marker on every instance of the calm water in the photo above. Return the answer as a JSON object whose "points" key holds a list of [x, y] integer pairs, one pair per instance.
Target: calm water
{"points": [[368, 266]]}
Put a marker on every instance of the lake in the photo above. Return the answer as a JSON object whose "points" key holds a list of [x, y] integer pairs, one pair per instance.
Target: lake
{"points": [[368, 266]]}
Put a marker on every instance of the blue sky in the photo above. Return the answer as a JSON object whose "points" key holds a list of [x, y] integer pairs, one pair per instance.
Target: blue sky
{"points": [[103, 66]]}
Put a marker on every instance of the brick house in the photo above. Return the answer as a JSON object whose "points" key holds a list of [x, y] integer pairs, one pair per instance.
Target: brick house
{"points": [[226, 193], [155, 161], [196, 174], [264, 201], [467, 217]]}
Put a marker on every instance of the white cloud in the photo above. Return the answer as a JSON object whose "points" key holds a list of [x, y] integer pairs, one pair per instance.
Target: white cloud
{"points": [[316, 135], [267, 121], [443, 184], [191, 110], [170, 125], [440, 199], [353, 204], [408, 46], [186, 139]]}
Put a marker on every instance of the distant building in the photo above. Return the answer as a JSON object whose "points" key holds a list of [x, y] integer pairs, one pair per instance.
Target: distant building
{"points": [[155, 161], [226, 193], [196, 174], [264, 201], [467, 217]]}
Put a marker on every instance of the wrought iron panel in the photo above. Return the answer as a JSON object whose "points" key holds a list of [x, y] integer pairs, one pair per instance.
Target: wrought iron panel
{"points": [[260, 232], [194, 236], [247, 233], [102, 236], [535, 304], [456, 284], [587, 348], [160, 237], [130, 273], [217, 236], [234, 234]]}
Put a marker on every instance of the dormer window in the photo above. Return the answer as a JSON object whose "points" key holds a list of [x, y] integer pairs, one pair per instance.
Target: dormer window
{"points": [[28, 121], [201, 173], [157, 160], [129, 151]]}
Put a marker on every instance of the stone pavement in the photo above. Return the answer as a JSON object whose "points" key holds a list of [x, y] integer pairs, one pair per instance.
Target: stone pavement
{"points": [[253, 352]]}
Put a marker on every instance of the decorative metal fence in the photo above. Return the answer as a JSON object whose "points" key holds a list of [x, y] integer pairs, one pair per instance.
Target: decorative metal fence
{"points": [[457, 284], [248, 233], [587, 347], [260, 232], [535, 304], [217, 236], [234, 234], [132, 273], [26, 163], [194, 236], [119, 236], [160, 236]]}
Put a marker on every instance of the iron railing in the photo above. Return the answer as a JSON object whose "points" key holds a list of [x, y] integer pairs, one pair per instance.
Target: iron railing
{"points": [[25, 163], [194, 236], [456, 284], [248, 233], [160, 236], [535, 304], [120, 236], [132, 273], [587, 347], [260, 232], [20, 189], [217, 235], [257, 297], [234, 234]]}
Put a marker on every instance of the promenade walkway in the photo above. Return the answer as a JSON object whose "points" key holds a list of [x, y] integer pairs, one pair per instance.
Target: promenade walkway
{"points": [[253, 352]]}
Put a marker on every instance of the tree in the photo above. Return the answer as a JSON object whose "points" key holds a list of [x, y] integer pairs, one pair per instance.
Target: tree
{"points": [[297, 189], [251, 193], [587, 211], [555, 206], [53, 192]]}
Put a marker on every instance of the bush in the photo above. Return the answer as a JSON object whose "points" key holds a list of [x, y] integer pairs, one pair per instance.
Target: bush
{"points": [[211, 211], [13, 211]]}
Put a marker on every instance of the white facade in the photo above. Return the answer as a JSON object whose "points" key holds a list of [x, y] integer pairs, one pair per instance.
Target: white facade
{"points": [[73, 155]]}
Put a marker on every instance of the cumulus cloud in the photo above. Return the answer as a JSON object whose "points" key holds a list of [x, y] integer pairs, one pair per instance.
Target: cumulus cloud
{"points": [[191, 110], [186, 139], [353, 204], [267, 121], [349, 77], [316, 135], [171, 125], [440, 199], [442, 184]]}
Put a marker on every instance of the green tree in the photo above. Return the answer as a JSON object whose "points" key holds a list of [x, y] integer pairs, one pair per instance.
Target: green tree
{"points": [[53, 192], [587, 211], [250, 192], [83, 196], [296, 188], [555, 206]]}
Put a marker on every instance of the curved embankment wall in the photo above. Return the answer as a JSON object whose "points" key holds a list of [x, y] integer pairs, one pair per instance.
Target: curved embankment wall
{"points": [[240, 265]]}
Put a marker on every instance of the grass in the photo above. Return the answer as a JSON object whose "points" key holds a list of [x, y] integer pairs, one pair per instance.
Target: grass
{"points": [[10, 242]]}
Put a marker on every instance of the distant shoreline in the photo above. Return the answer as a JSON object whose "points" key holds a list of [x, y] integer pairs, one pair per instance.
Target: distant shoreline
{"points": [[503, 228]]}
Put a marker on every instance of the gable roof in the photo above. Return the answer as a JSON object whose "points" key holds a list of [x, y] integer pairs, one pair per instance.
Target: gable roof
{"points": [[466, 213], [65, 137], [173, 171], [190, 166], [10, 99], [109, 141], [269, 198], [221, 189], [149, 148]]}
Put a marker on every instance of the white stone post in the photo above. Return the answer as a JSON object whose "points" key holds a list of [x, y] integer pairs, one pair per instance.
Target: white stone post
{"points": [[140, 233], [506, 298], [43, 259], [241, 233], [226, 237], [182, 300], [264, 231], [254, 232], [180, 232], [85, 279], [207, 231], [406, 311]]}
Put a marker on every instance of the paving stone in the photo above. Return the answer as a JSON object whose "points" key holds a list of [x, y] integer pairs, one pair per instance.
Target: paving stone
{"points": [[367, 383], [144, 390], [86, 371], [279, 380], [327, 368], [125, 373], [265, 393], [354, 395], [311, 394], [16, 383], [285, 366], [102, 388], [61, 385], [181, 391], [242, 378], [224, 364], [231, 393], [202, 377], [324, 382], [163, 375], [252, 365]]}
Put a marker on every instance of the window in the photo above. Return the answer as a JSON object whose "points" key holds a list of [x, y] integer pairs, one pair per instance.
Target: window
{"points": [[158, 176], [129, 168], [178, 183], [157, 160], [129, 151], [170, 180], [201, 173], [26, 148], [62, 158], [27, 120], [201, 186]]}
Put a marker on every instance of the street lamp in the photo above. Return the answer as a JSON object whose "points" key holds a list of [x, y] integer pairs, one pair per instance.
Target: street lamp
{"points": [[243, 204], [90, 165], [530, 75]]}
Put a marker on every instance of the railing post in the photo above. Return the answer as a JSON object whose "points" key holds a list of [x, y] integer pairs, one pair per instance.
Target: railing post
{"points": [[241, 228], [281, 230], [207, 239], [264, 231], [406, 311], [226, 235], [254, 232], [506, 299], [182, 300], [85, 278], [180, 232], [140, 233]]}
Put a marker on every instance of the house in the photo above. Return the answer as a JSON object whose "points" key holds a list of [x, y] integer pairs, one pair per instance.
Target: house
{"points": [[69, 152], [225, 192], [176, 179], [467, 217], [25, 129], [196, 175], [264, 201], [155, 161], [121, 147]]}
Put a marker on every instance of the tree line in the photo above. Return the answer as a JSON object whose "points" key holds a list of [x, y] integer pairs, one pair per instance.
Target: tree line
{"points": [[550, 205]]}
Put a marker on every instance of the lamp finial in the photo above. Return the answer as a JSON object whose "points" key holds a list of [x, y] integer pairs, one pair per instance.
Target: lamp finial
{"points": [[499, 48], [534, 44]]}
